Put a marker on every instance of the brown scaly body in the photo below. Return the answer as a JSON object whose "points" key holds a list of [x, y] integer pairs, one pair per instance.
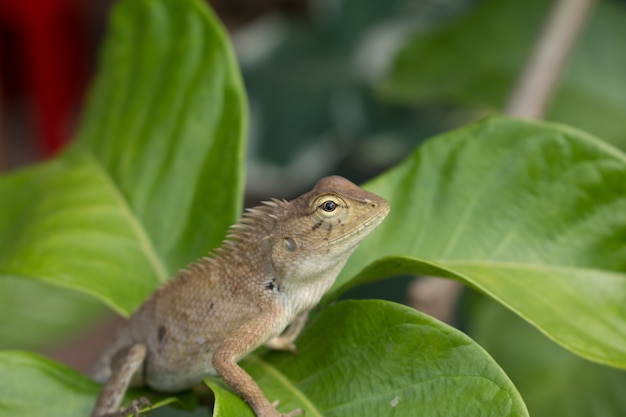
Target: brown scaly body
{"points": [[274, 266]]}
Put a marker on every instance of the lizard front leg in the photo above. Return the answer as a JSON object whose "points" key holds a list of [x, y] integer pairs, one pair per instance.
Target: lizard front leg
{"points": [[239, 343], [125, 364]]}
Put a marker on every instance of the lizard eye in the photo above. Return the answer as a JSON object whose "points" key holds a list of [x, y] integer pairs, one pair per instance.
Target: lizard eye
{"points": [[328, 206]]}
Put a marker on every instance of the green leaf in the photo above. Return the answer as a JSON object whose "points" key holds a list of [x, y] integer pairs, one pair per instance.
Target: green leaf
{"points": [[375, 358], [477, 58], [35, 386], [156, 174], [552, 381], [532, 214], [227, 403]]}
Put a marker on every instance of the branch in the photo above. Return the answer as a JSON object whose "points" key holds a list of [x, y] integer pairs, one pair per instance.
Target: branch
{"points": [[539, 79]]}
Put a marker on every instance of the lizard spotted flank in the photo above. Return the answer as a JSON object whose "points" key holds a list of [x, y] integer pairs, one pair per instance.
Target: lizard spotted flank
{"points": [[274, 266]]}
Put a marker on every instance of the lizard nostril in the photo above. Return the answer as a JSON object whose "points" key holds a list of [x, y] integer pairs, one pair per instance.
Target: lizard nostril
{"points": [[370, 202]]}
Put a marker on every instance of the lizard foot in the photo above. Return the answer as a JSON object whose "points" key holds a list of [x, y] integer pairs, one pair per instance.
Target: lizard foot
{"points": [[281, 343], [133, 408], [296, 412]]}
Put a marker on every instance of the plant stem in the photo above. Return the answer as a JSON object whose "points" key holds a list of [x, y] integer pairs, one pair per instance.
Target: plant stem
{"points": [[539, 78]]}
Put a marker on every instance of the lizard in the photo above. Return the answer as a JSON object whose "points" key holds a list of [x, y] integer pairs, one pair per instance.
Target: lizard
{"points": [[274, 265]]}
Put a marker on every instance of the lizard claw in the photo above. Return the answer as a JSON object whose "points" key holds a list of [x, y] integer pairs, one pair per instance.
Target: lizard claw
{"points": [[134, 407]]}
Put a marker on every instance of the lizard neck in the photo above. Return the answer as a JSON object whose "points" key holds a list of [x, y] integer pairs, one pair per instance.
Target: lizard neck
{"points": [[240, 265], [301, 295]]}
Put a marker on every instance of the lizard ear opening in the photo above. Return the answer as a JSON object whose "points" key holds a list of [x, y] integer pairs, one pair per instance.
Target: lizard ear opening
{"points": [[289, 244]]}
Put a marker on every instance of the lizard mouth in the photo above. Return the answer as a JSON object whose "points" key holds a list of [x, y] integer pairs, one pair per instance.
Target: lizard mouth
{"points": [[370, 223]]}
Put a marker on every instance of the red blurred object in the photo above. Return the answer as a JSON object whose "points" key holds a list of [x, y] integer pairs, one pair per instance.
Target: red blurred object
{"points": [[50, 60]]}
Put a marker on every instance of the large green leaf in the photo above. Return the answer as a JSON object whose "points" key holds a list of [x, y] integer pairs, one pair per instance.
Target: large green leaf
{"points": [[552, 381], [376, 358], [532, 214], [156, 174], [477, 59]]}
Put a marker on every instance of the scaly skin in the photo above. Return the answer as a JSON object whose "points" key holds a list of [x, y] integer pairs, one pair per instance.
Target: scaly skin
{"points": [[274, 266]]}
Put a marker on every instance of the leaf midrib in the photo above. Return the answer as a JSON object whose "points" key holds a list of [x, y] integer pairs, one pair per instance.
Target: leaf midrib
{"points": [[145, 244], [518, 265]]}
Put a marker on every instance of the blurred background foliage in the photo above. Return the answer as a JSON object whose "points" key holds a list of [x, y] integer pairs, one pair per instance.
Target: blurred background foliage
{"points": [[312, 81], [351, 86]]}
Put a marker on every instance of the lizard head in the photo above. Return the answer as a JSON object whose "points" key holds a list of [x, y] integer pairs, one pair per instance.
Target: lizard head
{"points": [[314, 234], [301, 245]]}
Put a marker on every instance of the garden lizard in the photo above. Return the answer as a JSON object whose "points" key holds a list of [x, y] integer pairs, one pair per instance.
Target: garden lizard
{"points": [[274, 265]]}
